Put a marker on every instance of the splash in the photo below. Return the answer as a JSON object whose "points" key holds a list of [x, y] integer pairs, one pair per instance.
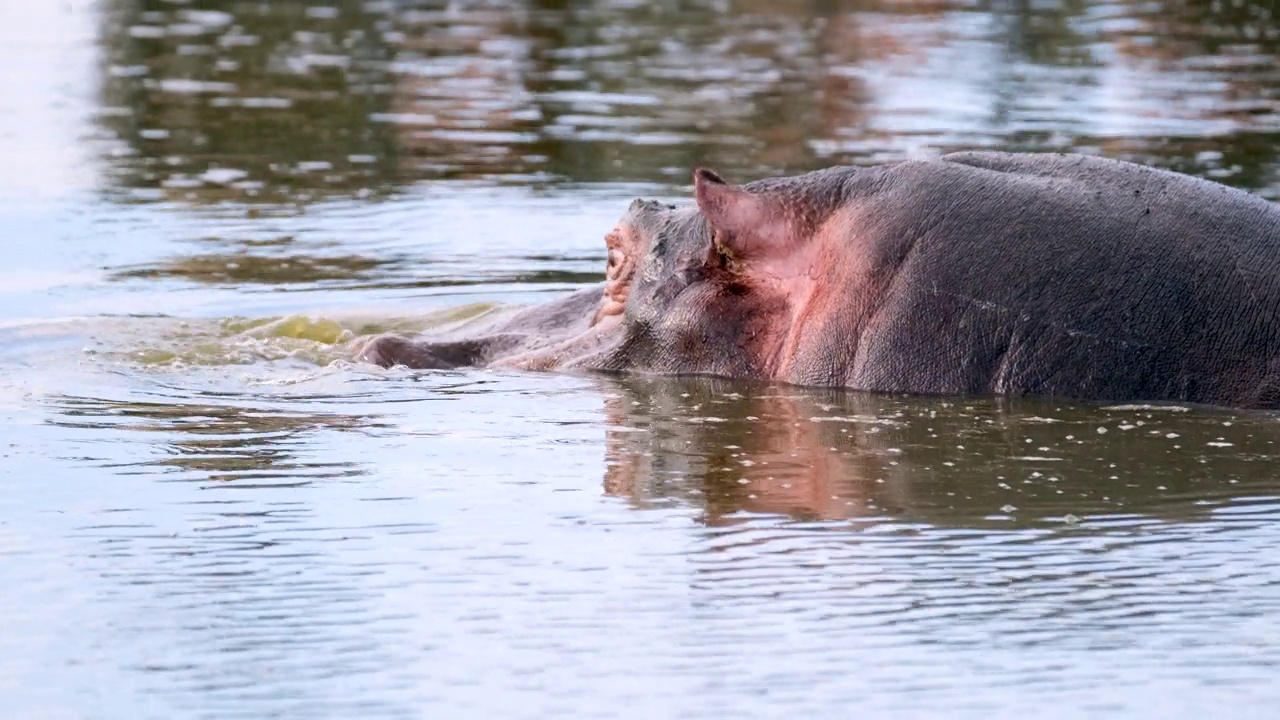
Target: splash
{"points": [[309, 340]]}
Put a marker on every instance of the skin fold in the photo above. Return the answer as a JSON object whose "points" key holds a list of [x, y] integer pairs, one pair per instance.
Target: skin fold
{"points": [[969, 274]]}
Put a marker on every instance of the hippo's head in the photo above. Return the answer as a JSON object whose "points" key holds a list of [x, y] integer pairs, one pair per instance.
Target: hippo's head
{"points": [[720, 287], [715, 288]]}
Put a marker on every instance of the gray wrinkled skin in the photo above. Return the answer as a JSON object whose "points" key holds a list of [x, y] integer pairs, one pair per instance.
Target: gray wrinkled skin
{"points": [[989, 273]]}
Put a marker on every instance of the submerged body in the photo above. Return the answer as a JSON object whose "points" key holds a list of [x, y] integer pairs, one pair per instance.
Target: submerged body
{"points": [[973, 273]]}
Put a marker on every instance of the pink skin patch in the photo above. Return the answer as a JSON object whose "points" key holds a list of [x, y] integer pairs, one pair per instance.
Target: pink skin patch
{"points": [[623, 249], [762, 236]]}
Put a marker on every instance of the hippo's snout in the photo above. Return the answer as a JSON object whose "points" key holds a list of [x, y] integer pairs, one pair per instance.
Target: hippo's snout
{"points": [[391, 350]]}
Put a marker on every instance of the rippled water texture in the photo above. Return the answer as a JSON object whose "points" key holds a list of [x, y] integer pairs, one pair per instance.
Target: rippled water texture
{"points": [[209, 511]]}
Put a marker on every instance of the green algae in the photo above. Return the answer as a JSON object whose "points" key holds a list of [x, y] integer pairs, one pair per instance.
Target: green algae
{"points": [[319, 339]]}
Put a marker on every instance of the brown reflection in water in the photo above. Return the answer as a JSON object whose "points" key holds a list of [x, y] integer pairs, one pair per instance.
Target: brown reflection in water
{"points": [[353, 271], [730, 452], [245, 100], [243, 268], [1216, 67], [732, 448], [279, 102], [460, 106], [222, 442]]}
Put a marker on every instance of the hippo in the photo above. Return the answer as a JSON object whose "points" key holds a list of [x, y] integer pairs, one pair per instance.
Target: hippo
{"points": [[973, 273]]}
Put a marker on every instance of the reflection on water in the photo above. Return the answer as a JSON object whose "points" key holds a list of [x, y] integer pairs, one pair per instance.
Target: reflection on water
{"points": [[338, 271], [853, 526], [245, 268], [285, 102], [834, 455], [218, 604], [438, 540], [253, 446], [244, 100]]}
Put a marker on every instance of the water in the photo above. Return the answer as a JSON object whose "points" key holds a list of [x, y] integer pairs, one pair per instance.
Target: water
{"points": [[209, 511]]}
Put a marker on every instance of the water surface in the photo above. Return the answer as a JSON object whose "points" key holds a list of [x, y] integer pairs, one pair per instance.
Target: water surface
{"points": [[210, 511]]}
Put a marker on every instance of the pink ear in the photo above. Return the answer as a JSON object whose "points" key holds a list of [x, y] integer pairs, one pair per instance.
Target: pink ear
{"points": [[734, 213]]}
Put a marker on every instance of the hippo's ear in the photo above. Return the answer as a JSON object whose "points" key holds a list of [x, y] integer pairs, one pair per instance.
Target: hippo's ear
{"points": [[731, 210], [743, 223]]}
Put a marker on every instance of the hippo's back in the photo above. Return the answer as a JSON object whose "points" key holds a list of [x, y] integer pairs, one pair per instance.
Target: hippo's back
{"points": [[1075, 276]]}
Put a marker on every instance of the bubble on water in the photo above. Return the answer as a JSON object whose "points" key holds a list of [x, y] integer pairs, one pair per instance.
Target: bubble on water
{"points": [[182, 86], [208, 18], [223, 176], [1139, 406], [146, 31]]}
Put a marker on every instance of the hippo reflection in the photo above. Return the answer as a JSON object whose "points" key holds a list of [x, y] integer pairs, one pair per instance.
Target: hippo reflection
{"points": [[973, 273], [829, 454]]}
